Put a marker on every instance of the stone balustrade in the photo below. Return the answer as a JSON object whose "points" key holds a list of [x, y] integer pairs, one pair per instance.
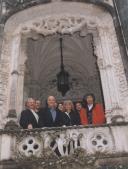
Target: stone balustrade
{"points": [[65, 147]]}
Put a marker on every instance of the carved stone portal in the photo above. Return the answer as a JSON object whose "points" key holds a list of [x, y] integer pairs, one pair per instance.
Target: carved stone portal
{"points": [[64, 18]]}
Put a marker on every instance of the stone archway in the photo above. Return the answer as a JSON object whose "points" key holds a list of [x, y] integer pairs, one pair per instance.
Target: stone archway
{"points": [[64, 18], [43, 64]]}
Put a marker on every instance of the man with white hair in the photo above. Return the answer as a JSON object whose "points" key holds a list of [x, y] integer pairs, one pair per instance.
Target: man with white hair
{"points": [[29, 118], [50, 116]]}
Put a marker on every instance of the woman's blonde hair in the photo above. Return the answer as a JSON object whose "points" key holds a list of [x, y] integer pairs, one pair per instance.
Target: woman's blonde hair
{"points": [[68, 102]]}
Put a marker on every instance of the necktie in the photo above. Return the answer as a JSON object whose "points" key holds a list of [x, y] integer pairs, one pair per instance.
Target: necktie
{"points": [[53, 113]]}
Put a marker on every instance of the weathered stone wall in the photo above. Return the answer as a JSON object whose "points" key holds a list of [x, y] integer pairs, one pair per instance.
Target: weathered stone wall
{"points": [[122, 7], [107, 145], [122, 30], [1, 36], [106, 49]]}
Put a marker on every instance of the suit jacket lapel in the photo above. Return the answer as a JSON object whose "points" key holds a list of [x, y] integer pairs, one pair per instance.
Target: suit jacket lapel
{"points": [[33, 116]]}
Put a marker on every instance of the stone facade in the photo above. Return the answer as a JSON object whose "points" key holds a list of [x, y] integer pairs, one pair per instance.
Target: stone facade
{"points": [[100, 147], [89, 19], [121, 28], [123, 14]]}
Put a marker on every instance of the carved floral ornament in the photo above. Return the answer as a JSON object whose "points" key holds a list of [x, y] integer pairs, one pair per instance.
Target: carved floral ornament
{"points": [[50, 148], [59, 24], [62, 144], [67, 24]]}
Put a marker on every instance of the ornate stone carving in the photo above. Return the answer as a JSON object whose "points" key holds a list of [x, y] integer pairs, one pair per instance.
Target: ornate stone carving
{"points": [[119, 69], [30, 146], [64, 143], [99, 142], [57, 24], [98, 23], [12, 122]]}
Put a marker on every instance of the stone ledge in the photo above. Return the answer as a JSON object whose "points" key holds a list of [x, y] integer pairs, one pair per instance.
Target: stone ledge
{"points": [[10, 131]]}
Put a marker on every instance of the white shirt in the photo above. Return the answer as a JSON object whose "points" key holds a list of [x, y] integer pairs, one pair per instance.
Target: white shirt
{"points": [[35, 115], [67, 114], [90, 106]]}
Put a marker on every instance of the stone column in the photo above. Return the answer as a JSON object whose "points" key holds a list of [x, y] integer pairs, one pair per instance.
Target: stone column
{"points": [[21, 68], [13, 86], [1, 36], [4, 78], [14, 71], [19, 105], [108, 77]]}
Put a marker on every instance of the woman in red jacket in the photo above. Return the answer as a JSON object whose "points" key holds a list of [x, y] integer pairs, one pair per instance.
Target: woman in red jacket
{"points": [[92, 113]]}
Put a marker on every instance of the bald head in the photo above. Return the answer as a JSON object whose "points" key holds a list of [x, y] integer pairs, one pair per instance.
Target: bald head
{"points": [[51, 101]]}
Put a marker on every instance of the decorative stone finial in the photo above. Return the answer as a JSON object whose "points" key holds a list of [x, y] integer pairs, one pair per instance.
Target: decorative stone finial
{"points": [[12, 120]]}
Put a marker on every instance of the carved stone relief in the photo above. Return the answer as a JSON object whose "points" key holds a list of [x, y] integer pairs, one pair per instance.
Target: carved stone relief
{"points": [[106, 48]]}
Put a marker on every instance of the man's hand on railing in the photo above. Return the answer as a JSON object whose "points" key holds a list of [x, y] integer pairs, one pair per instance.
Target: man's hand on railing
{"points": [[30, 126]]}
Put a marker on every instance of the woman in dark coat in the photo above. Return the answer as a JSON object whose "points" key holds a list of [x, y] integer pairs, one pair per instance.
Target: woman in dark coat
{"points": [[70, 116]]}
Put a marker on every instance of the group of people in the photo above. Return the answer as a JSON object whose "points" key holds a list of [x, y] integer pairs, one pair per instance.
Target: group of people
{"points": [[61, 114]]}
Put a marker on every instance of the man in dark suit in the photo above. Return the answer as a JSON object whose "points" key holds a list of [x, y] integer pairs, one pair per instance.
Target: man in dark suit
{"points": [[50, 116], [29, 118], [38, 106]]}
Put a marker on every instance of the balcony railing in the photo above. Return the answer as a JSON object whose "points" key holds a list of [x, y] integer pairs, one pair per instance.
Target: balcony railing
{"points": [[77, 146]]}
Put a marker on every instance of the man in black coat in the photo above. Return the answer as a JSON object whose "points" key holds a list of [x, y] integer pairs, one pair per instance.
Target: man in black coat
{"points": [[29, 118], [50, 116]]}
